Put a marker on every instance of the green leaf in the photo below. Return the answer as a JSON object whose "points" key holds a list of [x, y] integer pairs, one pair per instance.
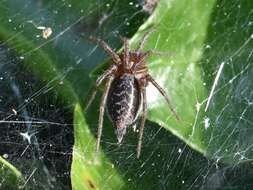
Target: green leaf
{"points": [[180, 33], [90, 170], [213, 123], [10, 176], [62, 62], [202, 36], [57, 60]]}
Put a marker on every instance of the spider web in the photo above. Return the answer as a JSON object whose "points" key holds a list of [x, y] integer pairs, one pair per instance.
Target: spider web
{"points": [[37, 124]]}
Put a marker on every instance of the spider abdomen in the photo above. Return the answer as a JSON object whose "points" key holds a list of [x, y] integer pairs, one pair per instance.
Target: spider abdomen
{"points": [[123, 102]]}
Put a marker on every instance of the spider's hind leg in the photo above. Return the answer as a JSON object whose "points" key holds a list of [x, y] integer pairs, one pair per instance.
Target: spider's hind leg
{"points": [[98, 83], [163, 93], [143, 119], [102, 110]]}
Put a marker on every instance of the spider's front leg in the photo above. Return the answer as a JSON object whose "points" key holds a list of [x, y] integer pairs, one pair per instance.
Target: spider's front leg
{"points": [[145, 38], [126, 52], [115, 57]]}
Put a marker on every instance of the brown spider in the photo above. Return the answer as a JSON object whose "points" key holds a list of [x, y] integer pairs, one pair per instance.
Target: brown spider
{"points": [[125, 89]]}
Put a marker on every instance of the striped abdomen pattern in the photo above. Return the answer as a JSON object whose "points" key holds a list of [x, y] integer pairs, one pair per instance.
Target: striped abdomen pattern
{"points": [[123, 101]]}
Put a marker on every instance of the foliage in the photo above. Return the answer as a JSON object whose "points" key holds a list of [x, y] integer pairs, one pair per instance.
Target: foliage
{"points": [[208, 41]]}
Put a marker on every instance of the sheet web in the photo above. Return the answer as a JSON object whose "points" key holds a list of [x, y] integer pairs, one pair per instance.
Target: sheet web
{"points": [[229, 103], [37, 124]]}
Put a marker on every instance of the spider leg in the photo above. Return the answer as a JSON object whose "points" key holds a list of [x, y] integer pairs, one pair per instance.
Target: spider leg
{"points": [[160, 53], [143, 58], [147, 54], [126, 51], [143, 119], [115, 57], [145, 37], [102, 110], [161, 90], [100, 79]]}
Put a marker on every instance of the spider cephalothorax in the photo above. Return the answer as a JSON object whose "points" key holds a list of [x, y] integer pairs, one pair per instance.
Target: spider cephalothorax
{"points": [[125, 89]]}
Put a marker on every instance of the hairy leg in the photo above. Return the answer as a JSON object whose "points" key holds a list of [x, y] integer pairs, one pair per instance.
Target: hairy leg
{"points": [[115, 57], [149, 53], [102, 110], [161, 90], [143, 119], [126, 52], [160, 53], [145, 38], [98, 82]]}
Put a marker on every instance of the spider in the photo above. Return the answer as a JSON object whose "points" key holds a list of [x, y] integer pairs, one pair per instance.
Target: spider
{"points": [[125, 88]]}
